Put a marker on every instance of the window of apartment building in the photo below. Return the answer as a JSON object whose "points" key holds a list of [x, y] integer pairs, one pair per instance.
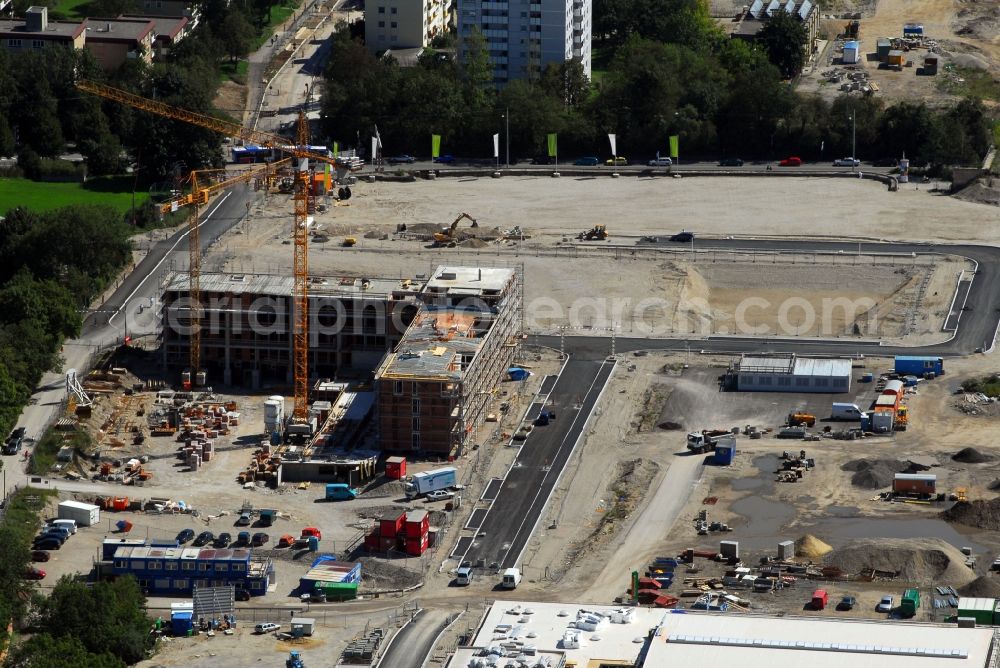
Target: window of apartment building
{"points": [[203, 567], [393, 24], [162, 583], [181, 583], [219, 568], [416, 405], [37, 43], [121, 563], [14, 43], [392, 10], [381, 24], [155, 565], [170, 566], [381, 10], [187, 565], [415, 440], [416, 423], [397, 387]]}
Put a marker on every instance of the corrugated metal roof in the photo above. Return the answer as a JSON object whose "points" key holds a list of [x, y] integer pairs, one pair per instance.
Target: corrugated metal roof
{"points": [[827, 368], [925, 477], [752, 364]]}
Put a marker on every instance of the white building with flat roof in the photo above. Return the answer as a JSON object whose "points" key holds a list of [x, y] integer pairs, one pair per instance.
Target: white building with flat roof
{"points": [[790, 373], [588, 636]]}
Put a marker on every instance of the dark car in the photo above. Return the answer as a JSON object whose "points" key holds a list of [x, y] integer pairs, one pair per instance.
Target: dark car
{"points": [[185, 536], [447, 159], [223, 540], [259, 539], [402, 160], [683, 237], [34, 574], [204, 538], [242, 595], [847, 603], [243, 538], [543, 160], [14, 442], [589, 161], [46, 544], [52, 535], [731, 162], [40, 555]]}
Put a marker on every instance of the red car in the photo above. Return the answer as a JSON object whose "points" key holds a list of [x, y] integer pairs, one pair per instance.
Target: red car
{"points": [[34, 574], [312, 531], [791, 161]]}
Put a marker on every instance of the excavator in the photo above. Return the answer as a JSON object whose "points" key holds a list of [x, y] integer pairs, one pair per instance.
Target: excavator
{"points": [[446, 237], [596, 233]]}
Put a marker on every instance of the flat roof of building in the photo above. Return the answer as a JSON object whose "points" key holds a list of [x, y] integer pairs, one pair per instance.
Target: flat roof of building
{"points": [[53, 29], [438, 343], [282, 286], [167, 26], [469, 281], [793, 365], [704, 638], [143, 552], [117, 29]]}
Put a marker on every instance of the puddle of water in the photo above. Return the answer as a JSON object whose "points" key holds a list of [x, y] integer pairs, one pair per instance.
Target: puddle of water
{"points": [[765, 520], [839, 530], [762, 481], [841, 511]]}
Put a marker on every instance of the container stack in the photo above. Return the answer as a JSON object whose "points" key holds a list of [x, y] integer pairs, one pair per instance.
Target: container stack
{"points": [[409, 531], [417, 529], [339, 580]]}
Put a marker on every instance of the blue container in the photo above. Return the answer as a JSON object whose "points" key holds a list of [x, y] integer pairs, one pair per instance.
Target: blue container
{"points": [[313, 543], [867, 377], [724, 455], [918, 365]]}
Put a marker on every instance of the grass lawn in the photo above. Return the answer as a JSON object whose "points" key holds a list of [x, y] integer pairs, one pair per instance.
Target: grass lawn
{"points": [[73, 9], [236, 72], [114, 191], [276, 16]]}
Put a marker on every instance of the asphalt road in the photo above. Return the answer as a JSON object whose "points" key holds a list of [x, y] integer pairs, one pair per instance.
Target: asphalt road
{"points": [[519, 505], [976, 331], [414, 642]]}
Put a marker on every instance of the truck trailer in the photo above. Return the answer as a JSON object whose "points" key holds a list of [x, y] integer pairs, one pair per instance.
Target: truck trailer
{"points": [[705, 441], [430, 481]]}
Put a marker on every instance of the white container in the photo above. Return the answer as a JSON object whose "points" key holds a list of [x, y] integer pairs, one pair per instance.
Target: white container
{"points": [[85, 514], [274, 413]]}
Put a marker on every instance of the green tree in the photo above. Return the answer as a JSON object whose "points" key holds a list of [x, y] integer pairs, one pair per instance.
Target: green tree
{"points": [[477, 71], [237, 35], [43, 303], [567, 82], [111, 8], [784, 39], [45, 651]]}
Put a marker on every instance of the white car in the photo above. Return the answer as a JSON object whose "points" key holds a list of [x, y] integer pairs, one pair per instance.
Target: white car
{"points": [[266, 627], [440, 495], [846, 162], [885, 605], [660, 162]]}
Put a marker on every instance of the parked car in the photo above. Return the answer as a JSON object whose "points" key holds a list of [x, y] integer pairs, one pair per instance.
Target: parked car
{"points": [[885, 605], [14, 441], [440, 495], [46, 544], [660, 162], [446, 159], [34, 574], [244, 520], [223, 540], [846, 162], [40, 555], [847, 603], [589, 161], [259, 539], [54, 534], [204, 538], [619, 161], [243, 538], [313, 597], [731, 162], [683, 237], [266, 627], [185, 536], [402, 160], [791, 161], [242, 595]]}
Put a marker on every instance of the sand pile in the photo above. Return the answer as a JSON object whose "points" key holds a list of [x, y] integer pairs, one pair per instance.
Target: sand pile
{"points": [[980, 192], [982, 587], [810, 546], [473, 243], [874, 473], [971, 456], [378, 575], [917, 560], [979, 514], [995, 485]]}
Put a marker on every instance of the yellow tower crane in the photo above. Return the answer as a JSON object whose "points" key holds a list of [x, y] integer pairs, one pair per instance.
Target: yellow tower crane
{"points": [[302, 193]]}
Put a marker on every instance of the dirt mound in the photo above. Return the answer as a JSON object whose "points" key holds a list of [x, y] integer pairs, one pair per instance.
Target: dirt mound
{"points": [[379, 575], [980, 192], [917, 560], [670, 426], [971, 456], [874, 473], [810, 546], [979, 514], [473, 243], [995, 485], [982, 587]]}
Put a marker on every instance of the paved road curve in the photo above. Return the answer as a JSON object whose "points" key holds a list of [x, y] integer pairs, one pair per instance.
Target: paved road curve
{"points": [[414, 642], [522, 498]]}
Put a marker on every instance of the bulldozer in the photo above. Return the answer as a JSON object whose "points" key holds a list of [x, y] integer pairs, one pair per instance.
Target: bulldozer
{"points": [[446, 237], [596, 233]]}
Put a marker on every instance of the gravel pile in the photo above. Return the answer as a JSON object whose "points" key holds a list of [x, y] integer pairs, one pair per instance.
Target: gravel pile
{"points": [[982, 587], [378, 575], [918, 560], [979, 514], [971, 456], [875, 473], [810, 546]]}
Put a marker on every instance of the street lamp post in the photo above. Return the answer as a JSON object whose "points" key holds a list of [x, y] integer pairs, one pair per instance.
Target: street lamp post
{"points": [[506, 117], [854, 141]]}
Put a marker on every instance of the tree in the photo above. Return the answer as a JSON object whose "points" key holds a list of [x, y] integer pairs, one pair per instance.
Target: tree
{"points": [[477, 70], [237, 35], [784, 39], [45, 651], [567, 81]]}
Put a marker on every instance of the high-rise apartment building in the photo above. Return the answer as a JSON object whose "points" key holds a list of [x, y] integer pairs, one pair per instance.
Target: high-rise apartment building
{"points": [[404, 24], [525, 36]]}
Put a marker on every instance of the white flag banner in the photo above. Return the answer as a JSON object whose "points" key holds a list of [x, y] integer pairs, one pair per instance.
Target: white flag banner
{"points": [[614, 145], [496, 145], [378, 138], [374, 149]]}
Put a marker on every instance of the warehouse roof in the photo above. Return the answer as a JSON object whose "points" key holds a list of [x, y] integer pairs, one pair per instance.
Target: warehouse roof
{"points": [[816, 367], [609, 634]]}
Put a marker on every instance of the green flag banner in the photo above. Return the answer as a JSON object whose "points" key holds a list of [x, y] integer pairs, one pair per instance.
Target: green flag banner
{"points": [[553, 146], [336, 149], [674, 141], [435, 146]]}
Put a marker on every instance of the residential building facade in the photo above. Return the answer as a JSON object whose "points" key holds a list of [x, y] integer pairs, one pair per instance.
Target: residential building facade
{"points": [[178, 570], [523, 37], [113, 41], [405, 24], [36, 32]]}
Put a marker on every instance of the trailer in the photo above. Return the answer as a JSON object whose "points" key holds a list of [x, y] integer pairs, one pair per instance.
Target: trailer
{"points": [[919, 365], [431, 481], [85, 514]]}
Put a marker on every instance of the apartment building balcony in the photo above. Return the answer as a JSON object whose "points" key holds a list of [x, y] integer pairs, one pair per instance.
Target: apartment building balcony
{"points": [[498, 6]]}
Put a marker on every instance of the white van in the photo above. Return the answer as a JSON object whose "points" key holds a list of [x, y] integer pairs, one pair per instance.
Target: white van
{"points": [[845, 412], [69, 524], [463, 576], [511, 578]]}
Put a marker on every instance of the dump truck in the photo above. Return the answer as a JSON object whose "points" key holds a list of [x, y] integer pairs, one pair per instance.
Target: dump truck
{"points": [[430, 481], [338, 491], [706, 440]]}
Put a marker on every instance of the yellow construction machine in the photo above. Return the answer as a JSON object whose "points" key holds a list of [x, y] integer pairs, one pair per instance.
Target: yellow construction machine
{"points": [[446, 236], [596, 233]]}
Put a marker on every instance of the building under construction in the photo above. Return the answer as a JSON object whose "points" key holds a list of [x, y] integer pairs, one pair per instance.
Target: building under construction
{"points": [[438, 346]]}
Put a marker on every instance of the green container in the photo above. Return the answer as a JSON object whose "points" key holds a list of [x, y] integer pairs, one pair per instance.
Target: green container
{"points": [[911, 603], [980, 609], [338, 591]]}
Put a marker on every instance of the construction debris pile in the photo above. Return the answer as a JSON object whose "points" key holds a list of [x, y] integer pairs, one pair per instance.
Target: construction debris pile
{"points": [[932, 562], [201, 422]]}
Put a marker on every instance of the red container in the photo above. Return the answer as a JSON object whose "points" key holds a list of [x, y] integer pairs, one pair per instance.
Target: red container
{"points": [[386, 543], [395, 468], [416, 546], [417, 523], [391, 523], [372, 541]]}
